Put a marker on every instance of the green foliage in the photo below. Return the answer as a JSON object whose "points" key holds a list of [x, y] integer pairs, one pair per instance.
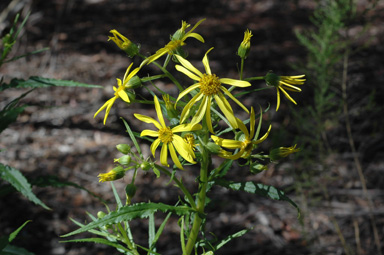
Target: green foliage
{"points": [[20, 183], [7, 249]]}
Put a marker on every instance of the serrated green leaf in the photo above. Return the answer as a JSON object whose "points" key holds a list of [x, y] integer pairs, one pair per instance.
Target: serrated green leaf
{"points": [[20, 183], [130, 212], [40, 82], [14, 250], [259, 189], [100, 241]]}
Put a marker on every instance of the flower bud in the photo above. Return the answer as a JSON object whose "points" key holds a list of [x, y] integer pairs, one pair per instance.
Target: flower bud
{"points": [[171, 111], [213, 148], [245, 45], [101, 214], [145, 166], [123, 148], [282, 152], [124, 43], [124, 160], [115, 174], [130, 191], [133, 83]]}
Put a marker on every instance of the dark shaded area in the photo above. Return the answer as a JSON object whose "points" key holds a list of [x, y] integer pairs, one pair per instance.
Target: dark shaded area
{"points": [[57, 134]]}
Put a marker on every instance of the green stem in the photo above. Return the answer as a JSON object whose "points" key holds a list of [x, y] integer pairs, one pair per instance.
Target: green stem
{"points": [[255, 78], [126, 240], [201, 196], [241, 68]]}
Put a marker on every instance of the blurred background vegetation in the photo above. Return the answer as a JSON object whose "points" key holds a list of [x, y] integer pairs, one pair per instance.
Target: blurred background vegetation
{"points": [[337, 178]]}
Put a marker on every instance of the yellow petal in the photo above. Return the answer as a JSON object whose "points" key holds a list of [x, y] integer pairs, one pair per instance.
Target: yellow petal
{"points": [[124, 96], [188, 65], [109, 106], [243, 128], [263, 137], [201, 111], [187, 108], [133, 73], [147, 119], [196, 36], [208, 116], [159, 112], [227, 143], [206, 62], [127, 72], [154, 146], [287, 96], [183, 149], [185, 128], [236, 83], [226, 109], [102, 108], [174, 157], [278, 99], [186, 91], [187, 72], [148, 132], [252, 122], [164, 155], [233, 98]]}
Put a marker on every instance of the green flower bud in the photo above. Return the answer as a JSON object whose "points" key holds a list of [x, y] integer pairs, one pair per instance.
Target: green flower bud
{"points": [[130, 191], [245, 45], [256, 168], [123, 148], [213, 147], [145, 166], [134, 82], [124, 160], [101, 214]]}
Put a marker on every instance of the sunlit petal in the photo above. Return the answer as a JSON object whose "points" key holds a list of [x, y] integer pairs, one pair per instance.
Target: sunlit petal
{"points": [[159, 112], [183, 149], [147, 119], [187, 90], [185, 128], [264, 136], [201, 111], [154, 146], [196, 36], [287, 95], [174, 157], [278, 99], [226, 109], [208, 116], [234, 99], [147, 132], [164, 155], [187, 72], [188, 65], [236, 83], [123, 95], [206, 62], [226, 143]]}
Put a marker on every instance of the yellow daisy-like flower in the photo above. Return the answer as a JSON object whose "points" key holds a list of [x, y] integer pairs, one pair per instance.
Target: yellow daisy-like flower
{"points": [[210, 86], [245, 145], [170, 141], [190, 140], [284, 83], [177, 41], [119, 92]]}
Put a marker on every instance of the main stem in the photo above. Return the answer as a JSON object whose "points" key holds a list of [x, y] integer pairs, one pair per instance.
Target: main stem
{"points": [[203, 180]]}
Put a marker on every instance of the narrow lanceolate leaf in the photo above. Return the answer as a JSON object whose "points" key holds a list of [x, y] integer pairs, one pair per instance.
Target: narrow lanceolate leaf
{"points": [[100, 241], [40, 82], [130, 212], [231, 237], [16, 232], [259, 189], [9, 116], [20, 183]]}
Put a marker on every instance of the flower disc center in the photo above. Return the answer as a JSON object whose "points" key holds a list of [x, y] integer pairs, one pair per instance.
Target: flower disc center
{"points": [[210, 84], [165, 135]]}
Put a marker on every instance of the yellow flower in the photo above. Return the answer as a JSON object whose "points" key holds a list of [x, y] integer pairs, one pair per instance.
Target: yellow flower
{"points": [[119, 92], [115, 174], [245, 145], [245, 45], [282, 152], [124, 43], [210, 86], [168, 138], [284, 83], [190, 140], [177, 41]]}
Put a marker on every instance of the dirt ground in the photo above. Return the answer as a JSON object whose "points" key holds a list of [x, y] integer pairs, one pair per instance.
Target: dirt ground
{"points": [[57, 134]]}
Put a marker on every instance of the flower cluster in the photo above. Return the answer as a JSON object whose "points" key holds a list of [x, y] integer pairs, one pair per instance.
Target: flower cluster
{"points": [[194, 112]]}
